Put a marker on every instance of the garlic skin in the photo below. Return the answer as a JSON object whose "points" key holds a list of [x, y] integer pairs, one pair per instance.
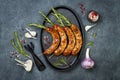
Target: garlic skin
{"points": [[30, 34], [33, 33], [87, 63], [88, 27], [27, 35]]}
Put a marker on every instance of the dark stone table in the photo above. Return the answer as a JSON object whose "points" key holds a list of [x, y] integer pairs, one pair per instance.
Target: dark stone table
{"points": [[16, 14]]}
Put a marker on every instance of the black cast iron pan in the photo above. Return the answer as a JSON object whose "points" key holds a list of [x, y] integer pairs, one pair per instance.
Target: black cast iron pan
{"points": [[61, 62]]}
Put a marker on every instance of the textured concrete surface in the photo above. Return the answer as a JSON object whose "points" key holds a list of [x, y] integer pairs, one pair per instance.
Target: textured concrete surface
{"points": [[15, 14]]}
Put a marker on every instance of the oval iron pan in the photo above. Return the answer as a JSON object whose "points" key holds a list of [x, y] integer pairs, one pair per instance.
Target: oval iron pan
{"points": [[51, 59]]}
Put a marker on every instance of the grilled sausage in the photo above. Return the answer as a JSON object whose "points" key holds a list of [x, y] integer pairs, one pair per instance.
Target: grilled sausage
{"points": [[55, 42], [78, 37], [63, 38], [71, 41]]}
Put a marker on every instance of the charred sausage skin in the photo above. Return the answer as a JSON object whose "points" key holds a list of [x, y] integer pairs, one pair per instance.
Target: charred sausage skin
{"points": [[63, 38], [71, 41], [55, 42], [78, 38]]}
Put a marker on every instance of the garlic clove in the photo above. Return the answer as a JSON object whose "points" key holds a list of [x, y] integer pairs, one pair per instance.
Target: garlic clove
{"points": [[89, 27], [27, 35], [33, 33]]}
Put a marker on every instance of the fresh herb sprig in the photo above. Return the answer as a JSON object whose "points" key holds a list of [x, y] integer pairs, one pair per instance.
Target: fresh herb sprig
{"points": [[47, 19], [61, 18], [18, 45], [37, 25], [63, 60], [57, 16], [57, 64]]}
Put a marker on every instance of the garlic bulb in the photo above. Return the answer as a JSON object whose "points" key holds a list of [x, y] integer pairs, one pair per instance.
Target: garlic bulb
{"points": [[87, 63], [27, 65]]}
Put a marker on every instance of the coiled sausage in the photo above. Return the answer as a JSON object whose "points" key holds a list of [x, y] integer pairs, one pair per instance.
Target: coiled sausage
{"points": [[55, 42]]}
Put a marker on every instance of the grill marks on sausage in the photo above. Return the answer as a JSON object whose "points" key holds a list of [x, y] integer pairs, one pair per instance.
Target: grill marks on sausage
{"points": [[71, 41], [63, 38], [66, 40], [55, 42], [78, 39]]}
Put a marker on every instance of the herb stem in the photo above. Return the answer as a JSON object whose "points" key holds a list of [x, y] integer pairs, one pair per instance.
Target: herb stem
{"points": [[59, 19], [17, 40], [64, 18], [37, 25], [46, 18], [18, 46]]}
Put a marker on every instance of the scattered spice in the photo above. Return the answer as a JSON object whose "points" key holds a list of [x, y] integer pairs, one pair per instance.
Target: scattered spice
{"points": [[23, 41], [14, 54], [45, 44], [46, 40], [90, 43], [82, 8]]}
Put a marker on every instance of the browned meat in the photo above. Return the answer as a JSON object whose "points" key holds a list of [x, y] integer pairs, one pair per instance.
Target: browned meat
{"points": [[78, 37], [63, 38], [55, 42], [71, 41]]}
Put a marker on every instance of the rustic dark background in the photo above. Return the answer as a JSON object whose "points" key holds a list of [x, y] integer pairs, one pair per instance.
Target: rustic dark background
{"points": [[16, 14]]}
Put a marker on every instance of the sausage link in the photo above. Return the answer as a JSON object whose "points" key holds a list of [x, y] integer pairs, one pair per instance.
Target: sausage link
{"points": [[63, 38], [78, 37], [55, 42], [71, 41]]}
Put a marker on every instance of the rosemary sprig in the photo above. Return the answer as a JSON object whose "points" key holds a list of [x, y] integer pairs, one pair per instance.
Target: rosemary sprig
{"points": [[61, 17], [57, 64], [18, 45], [64, 18], [14, 45], [56, 15], [37, 25], [63, 60], [18, 41], [46, 18]]}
